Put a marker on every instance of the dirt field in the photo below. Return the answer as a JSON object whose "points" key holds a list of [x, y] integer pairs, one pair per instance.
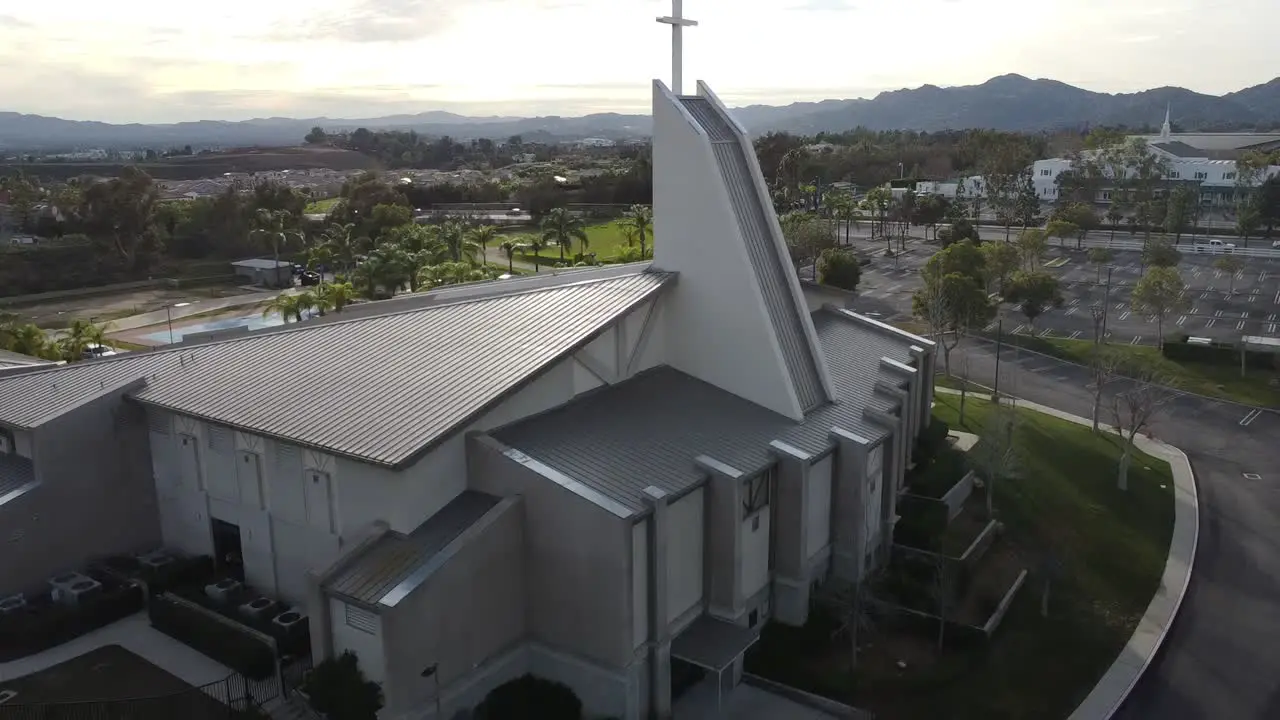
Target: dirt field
{"points": [[60, 313]]}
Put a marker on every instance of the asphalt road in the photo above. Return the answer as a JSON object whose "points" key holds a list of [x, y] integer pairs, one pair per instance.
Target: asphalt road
{"points": [[1220, 659], [1219, 307]]}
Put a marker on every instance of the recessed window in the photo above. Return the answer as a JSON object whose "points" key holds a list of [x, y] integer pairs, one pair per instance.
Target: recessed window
{"points": [[1229, 176], [753, 618], [1175, 174], [756, 494], [1202, 176], [1046, 173]]}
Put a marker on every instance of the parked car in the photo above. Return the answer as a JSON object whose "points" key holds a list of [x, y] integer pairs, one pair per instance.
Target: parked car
{"points": [[309, 278], [298, 269], [94, 350]]}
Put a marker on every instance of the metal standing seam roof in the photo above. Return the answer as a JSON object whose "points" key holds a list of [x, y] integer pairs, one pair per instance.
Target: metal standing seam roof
{"points": [[379, 389], [395, 557], [13, 359], [16, 472], [649, 429]]}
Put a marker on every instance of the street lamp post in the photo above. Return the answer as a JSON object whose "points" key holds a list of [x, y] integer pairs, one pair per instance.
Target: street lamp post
{"points": [[169, 317], [1106, 302], [995, 391]]}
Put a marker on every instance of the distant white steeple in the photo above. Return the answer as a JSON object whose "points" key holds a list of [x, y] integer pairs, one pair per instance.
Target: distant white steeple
{"points": [[1166, 130]]}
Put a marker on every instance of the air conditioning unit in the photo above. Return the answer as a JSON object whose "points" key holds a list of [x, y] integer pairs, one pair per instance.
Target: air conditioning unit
{"points": [[70, 588], [12, 604], [155, 559], [259, 608], [288, 619], [223, 590]]}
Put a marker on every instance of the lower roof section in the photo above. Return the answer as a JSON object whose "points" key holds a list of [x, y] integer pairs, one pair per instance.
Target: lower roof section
{"points": [[396, 563], [713, 644], [650, 429]]}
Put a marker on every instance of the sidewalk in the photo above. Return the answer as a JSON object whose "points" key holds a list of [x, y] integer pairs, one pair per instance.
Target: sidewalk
{"points": [[136, 635], [1120, 679]]}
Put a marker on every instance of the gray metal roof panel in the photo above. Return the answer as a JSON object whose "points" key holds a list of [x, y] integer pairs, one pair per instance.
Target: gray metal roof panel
{"points": [[394, 557], [9, 358], [380, 389], [649, 429], [16, 472]]}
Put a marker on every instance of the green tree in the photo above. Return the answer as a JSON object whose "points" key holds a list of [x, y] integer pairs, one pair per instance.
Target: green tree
{"points": [[806, 235], [951, 304], [1248, 220], [1028, 204], [337, 296], [1000, 260], [1114, 215], [1032, 247], [317, 136], [1099, 257], [1230, 264], [877, 203], [1081, 216], [638, 224], [931, 210], [561, 228], [510, 247], [287, 305], [273, 226], [1033, 293], [1061, 229], [839, 268], [482, 235], [1159, 293], [338, 689], [1180, 206], [1161, 253]]}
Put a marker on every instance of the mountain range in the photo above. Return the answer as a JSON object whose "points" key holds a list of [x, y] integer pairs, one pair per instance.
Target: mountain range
{"points": [[1007, 102]]}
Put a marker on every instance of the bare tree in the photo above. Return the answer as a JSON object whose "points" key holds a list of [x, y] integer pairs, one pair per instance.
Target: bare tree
{"points": [[856, 607], [996, 456], [964, 385], [1135, 407], [1102, 364]]}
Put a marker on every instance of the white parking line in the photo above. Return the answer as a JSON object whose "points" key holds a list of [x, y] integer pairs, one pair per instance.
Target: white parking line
{"points": [[1205, 295], [1119, 306], [1254, 296], [1018, 329], [1240, 325], [894, 288], [1250, 417], [1277, 301], [990, 326], [1124, 315], [1072, 311], [1262, 276], [1074, 301], [1217, 274], [1213, 319], [1046, 333], [1182, 320], [1136, 339], [1076, 334]]}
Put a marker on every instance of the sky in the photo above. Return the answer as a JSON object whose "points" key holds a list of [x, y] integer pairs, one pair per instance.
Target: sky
{"points": [[160, 61]]}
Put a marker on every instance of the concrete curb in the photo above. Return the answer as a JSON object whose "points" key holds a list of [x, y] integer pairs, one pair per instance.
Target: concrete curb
{"points": [[1115, 685]]}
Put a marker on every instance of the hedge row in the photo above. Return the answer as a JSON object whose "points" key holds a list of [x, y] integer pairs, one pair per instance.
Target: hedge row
{"points": [[39, 627], [1178, 349], [219, 638]]}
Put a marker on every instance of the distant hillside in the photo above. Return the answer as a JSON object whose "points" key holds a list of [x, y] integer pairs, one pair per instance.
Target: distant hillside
{"points": [[1008, 102]]}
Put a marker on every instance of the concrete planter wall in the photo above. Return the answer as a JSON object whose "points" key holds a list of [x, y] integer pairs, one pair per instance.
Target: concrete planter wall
{"points": [[979, 547], [1002, 609], [958, 494]]}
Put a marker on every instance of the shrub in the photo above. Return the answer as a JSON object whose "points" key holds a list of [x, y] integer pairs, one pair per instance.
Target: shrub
{"points": [[42, 626], [921, 524], [935, 477], [530, 698], [931, 441], [220, 639], [839, 268], [339, 690]]}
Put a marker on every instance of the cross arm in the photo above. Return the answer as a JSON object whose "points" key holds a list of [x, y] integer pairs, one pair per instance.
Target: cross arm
{"points": [[683, 22]]}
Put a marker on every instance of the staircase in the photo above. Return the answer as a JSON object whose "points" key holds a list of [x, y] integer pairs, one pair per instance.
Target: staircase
{"points": [[771, 268]]}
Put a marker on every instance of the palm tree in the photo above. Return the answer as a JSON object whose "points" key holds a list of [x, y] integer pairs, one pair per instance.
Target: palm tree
{"points": [[30, 340], [336, 296], [273, 226], [452, 273], [482, 235], [561, 228], [77, 337], [509, 248], [286, 305], [455, 239], [342, 245], [638, 221], [536, 244]]}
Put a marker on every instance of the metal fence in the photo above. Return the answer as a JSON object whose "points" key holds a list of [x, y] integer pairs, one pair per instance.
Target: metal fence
{"points": [[234, 697], [1186, 248]]}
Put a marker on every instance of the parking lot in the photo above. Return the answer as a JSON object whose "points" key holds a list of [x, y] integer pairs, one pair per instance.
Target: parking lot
{"points": [[1218, 306]]}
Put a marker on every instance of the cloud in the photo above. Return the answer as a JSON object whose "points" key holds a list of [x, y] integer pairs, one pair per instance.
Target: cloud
{"points": [[13, 22], [823, 6], [373, 21]]}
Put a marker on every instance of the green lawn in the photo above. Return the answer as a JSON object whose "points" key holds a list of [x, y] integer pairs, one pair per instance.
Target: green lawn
{"points": [[321, 206], [1220, 381], [603, 239], [1112, 546]]}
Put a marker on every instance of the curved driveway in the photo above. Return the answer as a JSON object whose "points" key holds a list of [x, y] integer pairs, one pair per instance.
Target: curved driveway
{"points": [[1222, 658]]}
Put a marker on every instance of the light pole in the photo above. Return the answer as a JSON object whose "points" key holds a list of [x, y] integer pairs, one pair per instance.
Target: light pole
{"points": [[169, 317], [995, 391], [1106, 302]]}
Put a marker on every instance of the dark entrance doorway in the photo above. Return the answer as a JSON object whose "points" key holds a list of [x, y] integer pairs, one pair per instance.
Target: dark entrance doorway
{"points": [[227, 557]]}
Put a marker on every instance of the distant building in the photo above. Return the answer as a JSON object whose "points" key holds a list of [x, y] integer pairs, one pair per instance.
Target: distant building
{"points": [[1215, 178], [268, 273]]}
